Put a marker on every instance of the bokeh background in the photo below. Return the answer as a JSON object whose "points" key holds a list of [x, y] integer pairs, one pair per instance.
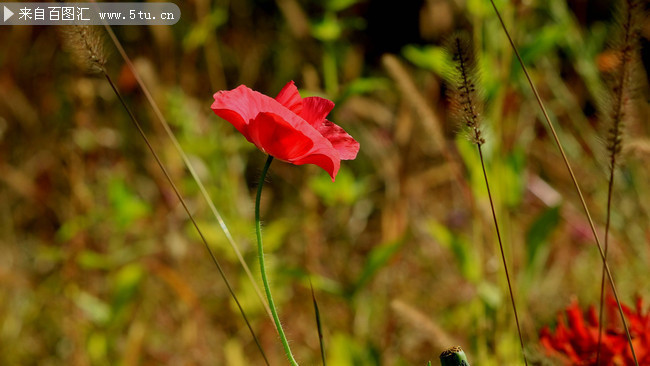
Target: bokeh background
{"points": [[99, 264]]}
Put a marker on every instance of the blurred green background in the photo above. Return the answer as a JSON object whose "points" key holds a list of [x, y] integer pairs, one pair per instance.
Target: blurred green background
{"points": [[99, 264]]}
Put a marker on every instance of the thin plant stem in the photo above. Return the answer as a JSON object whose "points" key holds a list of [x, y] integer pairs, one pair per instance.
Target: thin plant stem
{"points": [[466, 91], [615, 146], [573, 179], [260, 253], [189, 214], [602, 279], [503, 256], [188, 164]]}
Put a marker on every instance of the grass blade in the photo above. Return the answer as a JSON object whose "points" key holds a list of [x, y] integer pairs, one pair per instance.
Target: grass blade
{"points": [[318, 325]]}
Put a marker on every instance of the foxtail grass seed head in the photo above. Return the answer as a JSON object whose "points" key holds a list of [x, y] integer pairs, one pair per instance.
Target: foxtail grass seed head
{"points": [[622, 77], [465, 101], [86, 45], [454, 356]]}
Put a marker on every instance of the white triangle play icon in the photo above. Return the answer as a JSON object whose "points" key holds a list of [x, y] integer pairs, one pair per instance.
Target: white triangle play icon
{"points": [[8, 13]]}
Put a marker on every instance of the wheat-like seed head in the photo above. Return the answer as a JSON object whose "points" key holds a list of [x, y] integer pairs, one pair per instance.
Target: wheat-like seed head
{"points": [[86, 45], [622, 79], [464, 100]]}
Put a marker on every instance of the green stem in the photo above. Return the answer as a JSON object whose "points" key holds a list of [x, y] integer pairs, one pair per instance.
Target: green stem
{"points": [[260, 251]]}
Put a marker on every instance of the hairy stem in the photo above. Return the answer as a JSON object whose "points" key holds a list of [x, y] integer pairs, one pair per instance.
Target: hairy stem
{"points": [[260, 253]]}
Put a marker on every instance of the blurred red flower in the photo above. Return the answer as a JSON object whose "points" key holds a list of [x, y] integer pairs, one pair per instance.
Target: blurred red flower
{"points": [[289, 127], [577, 343]]}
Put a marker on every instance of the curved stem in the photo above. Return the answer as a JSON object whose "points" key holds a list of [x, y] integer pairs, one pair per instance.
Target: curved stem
{"points": [[503, 255], [260, 252]]}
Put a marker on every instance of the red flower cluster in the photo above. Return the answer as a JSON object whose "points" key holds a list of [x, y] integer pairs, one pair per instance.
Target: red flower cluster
{"points": [[577, 343], [289, 127]]}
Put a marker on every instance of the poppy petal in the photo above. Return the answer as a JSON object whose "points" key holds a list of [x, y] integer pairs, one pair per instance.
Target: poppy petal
{"points": [[298, 144], [315, 109], [275, 136], [330, 165], [345, 144], [236, 106], [290, 98]]}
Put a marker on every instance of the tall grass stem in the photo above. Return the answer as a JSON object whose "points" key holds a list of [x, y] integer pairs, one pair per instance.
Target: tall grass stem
{"points": [[615, 138], [503, 256], [189, 214], [468, 104], [189, 166], [573, 178]]}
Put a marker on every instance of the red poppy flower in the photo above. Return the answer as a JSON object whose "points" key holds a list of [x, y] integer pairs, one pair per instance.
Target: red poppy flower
{"points": [[289, 127], [577, 343]]}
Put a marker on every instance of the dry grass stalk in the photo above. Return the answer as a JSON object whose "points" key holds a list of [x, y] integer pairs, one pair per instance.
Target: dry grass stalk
{"points": [[466, 100], [421, 322], [622, 92], [190, 167], [576, 185], [86, 45]]}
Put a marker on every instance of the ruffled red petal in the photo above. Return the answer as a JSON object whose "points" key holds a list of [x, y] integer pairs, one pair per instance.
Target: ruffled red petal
{"points": [[330, 165], [314, 111], [290, 98], [345, 144]]}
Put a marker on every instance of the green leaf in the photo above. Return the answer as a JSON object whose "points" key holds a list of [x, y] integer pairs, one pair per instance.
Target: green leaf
{"points": [[489, 294], [377, 259], [432, 58], [97, 347], [345, 350], [338, 5], [540, 231], [89, 259], [462, 249], [512, 178], [328, 29], [362, 86], [126, 284], [208, 25], [543, 42], [94, 308], [128, 207], [345, 191]]}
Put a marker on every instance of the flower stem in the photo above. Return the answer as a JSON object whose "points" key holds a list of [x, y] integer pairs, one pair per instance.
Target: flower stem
{"points": [[260, 252]]}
